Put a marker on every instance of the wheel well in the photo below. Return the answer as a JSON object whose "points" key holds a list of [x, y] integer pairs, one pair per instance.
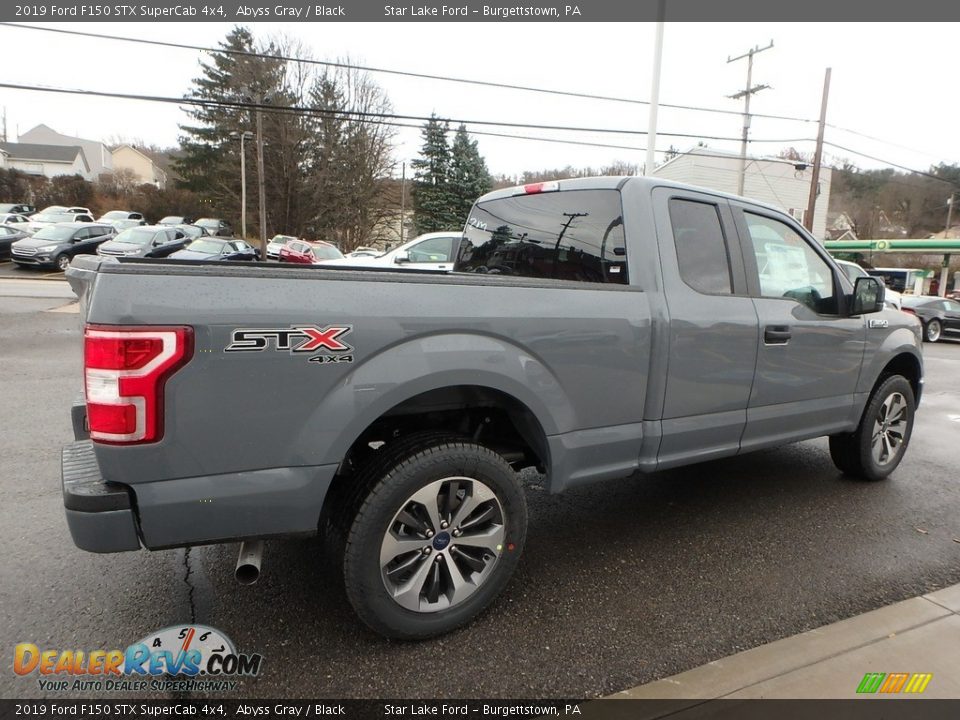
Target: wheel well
{"points": [[485, 415], [490, 417], [906, 365]]}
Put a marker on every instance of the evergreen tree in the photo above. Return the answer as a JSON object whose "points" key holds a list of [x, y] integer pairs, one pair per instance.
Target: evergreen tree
{"points": [[434, 204], [469, 177]]}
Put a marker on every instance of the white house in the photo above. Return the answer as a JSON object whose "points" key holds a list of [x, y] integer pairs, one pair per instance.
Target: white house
{"points": [[783, 183], [141, 166], [47, 160], [98, 156], [3, 158]]}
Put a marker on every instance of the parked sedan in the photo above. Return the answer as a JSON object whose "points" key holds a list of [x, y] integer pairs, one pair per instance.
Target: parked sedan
{"points": [[17, 208], [51, 217], [209, 248], [309, 253], [432, 251], [191, 231], [148, 241], [938, 315], [277, 242], [114, 216], [215, 227], [176, 220], [13, 219], [9, 234], [56, 245]]}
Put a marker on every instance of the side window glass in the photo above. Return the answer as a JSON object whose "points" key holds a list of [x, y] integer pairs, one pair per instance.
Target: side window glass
{"points": [[433, 250], [701, 246], [567, 235], [788, 267], [83, 234]]}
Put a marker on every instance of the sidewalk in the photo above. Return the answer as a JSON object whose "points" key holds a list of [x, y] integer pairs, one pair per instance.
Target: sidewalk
{"points": [[920, 635]]}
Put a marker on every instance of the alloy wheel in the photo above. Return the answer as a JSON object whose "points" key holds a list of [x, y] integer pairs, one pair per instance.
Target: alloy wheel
{"points": [[442, 544]]}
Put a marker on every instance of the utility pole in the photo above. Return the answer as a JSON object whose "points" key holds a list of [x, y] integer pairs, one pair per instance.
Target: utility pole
{"points": [[403, 199], [4, 123], [243, 182], [817, 157], [261, 185], [945, 266], [745, 94], [649, 165]]}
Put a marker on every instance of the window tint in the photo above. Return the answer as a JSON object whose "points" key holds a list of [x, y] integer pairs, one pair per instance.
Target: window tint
{"points": [[701, 247], [433, 250], [788, 267], [566, 235]]}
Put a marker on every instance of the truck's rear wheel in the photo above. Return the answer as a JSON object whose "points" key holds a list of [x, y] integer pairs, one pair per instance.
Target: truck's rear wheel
{"points": [[877, 446], [435, 540]]}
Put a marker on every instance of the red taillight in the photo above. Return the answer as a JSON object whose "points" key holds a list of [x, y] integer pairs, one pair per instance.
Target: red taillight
{"points": [[908, 310], [125, 369]]}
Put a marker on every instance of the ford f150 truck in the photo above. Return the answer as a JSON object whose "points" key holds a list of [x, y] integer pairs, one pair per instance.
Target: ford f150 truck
{"points": [[592, 329]]}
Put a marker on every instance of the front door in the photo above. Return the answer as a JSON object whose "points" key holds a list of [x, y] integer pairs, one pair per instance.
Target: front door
{"points": [[809, 354]]}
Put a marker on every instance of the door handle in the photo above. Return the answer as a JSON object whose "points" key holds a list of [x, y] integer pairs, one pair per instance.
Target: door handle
{"points": [[776, 334]]}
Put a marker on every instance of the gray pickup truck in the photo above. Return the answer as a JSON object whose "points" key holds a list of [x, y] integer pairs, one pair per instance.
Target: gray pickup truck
{"points": [[593, 329]]}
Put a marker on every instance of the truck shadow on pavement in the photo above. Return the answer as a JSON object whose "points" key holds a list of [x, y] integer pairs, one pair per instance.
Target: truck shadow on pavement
{"points": [[621, 582]]}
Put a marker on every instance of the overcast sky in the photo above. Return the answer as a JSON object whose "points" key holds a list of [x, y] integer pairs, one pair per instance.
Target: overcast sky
{"points": [[890, 81]]}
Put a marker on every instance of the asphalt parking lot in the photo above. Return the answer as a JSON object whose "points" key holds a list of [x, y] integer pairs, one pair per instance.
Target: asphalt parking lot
{"points": [[621, 583]]}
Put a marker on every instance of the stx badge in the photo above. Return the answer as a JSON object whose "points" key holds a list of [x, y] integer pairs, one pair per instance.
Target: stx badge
{"points": [[296, 339]]}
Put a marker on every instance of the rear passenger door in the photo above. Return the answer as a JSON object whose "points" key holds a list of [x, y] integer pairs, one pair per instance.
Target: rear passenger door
{"points": [[712, 333], [809, 353]]}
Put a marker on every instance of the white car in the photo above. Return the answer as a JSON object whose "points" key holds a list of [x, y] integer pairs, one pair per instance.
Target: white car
{"points": [[13, 219], [854, 271], [432, 251], [277, 242]]}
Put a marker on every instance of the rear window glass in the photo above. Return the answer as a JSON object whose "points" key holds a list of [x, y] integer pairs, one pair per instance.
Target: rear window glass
{"points": [[565, 235]]}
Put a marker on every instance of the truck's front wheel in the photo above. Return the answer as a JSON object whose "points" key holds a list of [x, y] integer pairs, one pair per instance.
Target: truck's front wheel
{"points": [[876, 447], [435, 540]]}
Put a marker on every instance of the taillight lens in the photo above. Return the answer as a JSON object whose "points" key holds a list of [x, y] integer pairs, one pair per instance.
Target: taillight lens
{"points": [[534, 188], [125, 368]]}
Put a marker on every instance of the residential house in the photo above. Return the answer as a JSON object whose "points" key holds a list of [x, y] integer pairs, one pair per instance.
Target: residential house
{"points": [[3, 158], [141, 166], [97, 154], [782, 183], [46, 160]]}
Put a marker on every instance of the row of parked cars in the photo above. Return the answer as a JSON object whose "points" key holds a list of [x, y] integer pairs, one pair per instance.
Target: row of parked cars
{"points": [[52, 236]]}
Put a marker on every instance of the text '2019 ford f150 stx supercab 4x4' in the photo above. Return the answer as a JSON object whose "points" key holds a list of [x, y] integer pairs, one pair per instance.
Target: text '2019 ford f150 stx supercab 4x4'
{"points": [[593, 329]]}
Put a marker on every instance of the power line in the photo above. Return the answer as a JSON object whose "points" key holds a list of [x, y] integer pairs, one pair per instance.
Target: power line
{"points": [[388, 71], [890, 163], [360, 114]]}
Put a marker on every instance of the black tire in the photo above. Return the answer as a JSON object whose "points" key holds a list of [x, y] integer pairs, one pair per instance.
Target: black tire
{"points": [[856, 453], [932, 331], [388, 485], [61, 262]]}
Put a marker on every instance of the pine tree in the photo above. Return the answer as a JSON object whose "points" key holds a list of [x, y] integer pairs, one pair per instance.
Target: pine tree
{"points": [[469, 177], [434, 205]]}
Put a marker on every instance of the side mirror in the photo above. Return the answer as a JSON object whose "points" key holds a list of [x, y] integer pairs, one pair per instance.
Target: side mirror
{"points": [[867, 296], [401, 258]]}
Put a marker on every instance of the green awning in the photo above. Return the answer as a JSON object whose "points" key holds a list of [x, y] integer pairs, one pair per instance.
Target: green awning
{"points": [[933, 246]]}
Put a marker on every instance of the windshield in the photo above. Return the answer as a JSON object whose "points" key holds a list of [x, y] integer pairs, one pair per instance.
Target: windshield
{"points": [[190, 230], [136, 236], [565, 235], [282, 239], [115, 215], [915, 300], [54, 233], [210, 247], [207, 222], [172, 220], [326, 252]]}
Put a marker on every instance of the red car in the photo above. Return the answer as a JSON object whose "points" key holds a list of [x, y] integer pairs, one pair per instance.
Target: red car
{"points": [[308, 253]]}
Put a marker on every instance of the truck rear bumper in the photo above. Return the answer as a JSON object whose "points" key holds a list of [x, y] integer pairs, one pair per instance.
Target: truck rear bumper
{"points": [[99, 514]]}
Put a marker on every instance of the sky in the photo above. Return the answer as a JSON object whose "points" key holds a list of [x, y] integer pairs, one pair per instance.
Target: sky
{"points": [[890, 93]]}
